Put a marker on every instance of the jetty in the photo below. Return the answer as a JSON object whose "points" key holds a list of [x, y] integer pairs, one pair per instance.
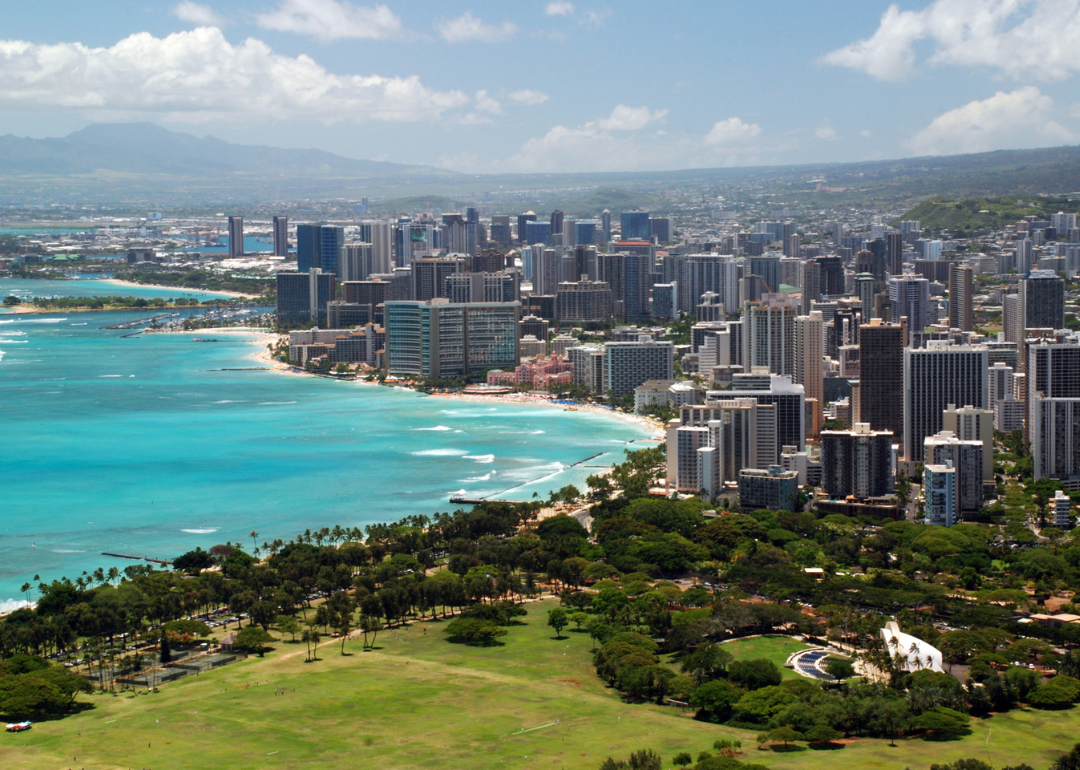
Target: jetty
{"points": [[136, 558]]}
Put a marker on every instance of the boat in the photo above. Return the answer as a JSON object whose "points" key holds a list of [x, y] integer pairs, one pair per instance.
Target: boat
{"points": [[19, 727], [204, 339]]}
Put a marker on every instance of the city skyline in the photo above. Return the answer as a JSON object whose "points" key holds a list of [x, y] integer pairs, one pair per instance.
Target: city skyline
{"points": [[372, 81]]}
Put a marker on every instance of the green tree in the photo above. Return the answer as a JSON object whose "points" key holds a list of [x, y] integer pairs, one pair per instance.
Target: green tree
{"points": [[579, 619], [785, 735], [715, 700], [822, 734], [287, 624], [1070, 761], [369, 624], [253, 639], [682, 759], [557, 619], [839, 668]]}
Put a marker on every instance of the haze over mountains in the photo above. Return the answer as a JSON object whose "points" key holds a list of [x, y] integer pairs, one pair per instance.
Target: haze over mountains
{"points": [[145, 148]]}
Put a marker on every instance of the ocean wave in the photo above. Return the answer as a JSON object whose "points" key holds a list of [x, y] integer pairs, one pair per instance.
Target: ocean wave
{"points": [[203, 531], [10, 605], [449, 411], [14, 333], [275, 403], [439, 453], [109, 376], [437, 427], [65, 550], [36, 321], [15, 342], [482, 459], [459, 492], [82, 324], [227, 401], [485, 477]]}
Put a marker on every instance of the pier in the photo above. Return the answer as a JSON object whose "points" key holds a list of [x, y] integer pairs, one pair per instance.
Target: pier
{"points": [[137, 558]]}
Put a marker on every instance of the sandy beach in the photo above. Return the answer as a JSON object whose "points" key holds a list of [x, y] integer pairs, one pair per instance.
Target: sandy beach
{"points": [[180, 290]]}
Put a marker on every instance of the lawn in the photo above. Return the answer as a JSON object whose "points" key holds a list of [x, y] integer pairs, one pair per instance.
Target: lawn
{"points": [[775, 648], [419, 702]]}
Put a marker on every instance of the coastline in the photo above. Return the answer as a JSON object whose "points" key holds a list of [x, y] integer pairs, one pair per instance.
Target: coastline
{"points": [[180, 289]]}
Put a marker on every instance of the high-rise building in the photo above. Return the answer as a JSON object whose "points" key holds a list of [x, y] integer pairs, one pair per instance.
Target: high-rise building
{"points": [[236, 236], [832, 275], [772, 488], [1042, 300], [429, 276], [970, 424], [501, 233], [585, 232], [769, 270], [635, 226], [381, 237], [961, 299], [1053, 424], [484, 287], [770, 334], [857, 462], [538, 232], [1012, 318], [628, 365], [605, 224], [1061, 505], [522, 227], [809, 357], [936, 377], [556, 223], [966, 458], [788, 398], [281, 236], [811, 284], [910, 297], [940, 495], [302, 297], [587, 302], [356, 261], [894, 253], [660, 229], [307, 247], [1023, 257], [439, 339], [696, 274], [545, 262]]}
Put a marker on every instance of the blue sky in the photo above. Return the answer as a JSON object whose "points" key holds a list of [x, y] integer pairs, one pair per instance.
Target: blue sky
{"points": [[556, 86]]}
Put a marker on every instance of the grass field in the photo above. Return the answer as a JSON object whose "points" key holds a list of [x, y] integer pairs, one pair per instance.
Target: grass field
{"points": [[419, 702], [775, 648]]}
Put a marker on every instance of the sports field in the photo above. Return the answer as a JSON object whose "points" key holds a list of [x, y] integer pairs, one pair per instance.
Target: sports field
{"points": [[419, 702]]}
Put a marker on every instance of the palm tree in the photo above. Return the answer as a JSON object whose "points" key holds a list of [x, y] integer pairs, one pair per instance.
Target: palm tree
{"points": [[254, 539], [26, 590]]}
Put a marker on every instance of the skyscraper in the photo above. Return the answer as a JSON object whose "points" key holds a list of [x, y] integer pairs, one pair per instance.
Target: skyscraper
{"points": [[307, 247], [429, 276], [331, 239], [355, 263], [894, 253], [605, 224], [770, 335], [881, 376], [811, 284], [635, 226], [281, 236], [439, 339], [628, 365], [768, 268], [1042, 300], [936, 377], [809, 355], [236, 236], [380, 236], [910, 297], [856, 462], [556, 225], [961, 301], [302, 297], [522, 222]]}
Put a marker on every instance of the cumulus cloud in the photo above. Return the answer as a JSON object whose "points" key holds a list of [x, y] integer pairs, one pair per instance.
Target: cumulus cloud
{"points": [[1021, 38], [332, 20], [826, 133], [199, 76], [1023, 118], [485, 103], [732, 131], [528, 96], [559, 8], [203, 15], [467, 28], [624, 118]]}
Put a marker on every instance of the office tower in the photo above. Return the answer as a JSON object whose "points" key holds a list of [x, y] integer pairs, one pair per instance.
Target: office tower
{"points": [[961, 299], [439, 339], [500, 230], [770, 334], [1042, 300], [811, 284], [454, 238], [940, 495], [790, 271], [809, 355], [356, 261], [628, 365], [696, 274], [584, 301], [281, 236], [545, 278], [307, 247], [522, 225], [429, 276], [970, 424], [832, 276], [635, 226], [236, 236], [792, 244], [894, 253], [935, 377], [788, 398], [331, 241], [665, 301], [857, 462], [537, 327], [628, 276], [605, 224], [483, 287], [864, 290], [1024, 258], [787, 229], [660, 229], [302, 297], [556, 223], [372, 293], [966, 457], [344, 315], [380, 236], [585, 232], [910, 297], [1012, 318], [769, 270], [538, 232], [473, 231]]}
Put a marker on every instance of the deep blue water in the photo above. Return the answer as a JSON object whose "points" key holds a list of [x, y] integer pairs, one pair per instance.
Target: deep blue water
{"points": [[148, 446]]}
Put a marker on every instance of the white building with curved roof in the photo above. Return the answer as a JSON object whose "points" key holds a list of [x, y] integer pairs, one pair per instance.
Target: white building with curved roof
{"points": [[918, 654]]}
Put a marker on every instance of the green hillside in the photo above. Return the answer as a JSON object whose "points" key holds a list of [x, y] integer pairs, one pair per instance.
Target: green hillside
{"points": [[978, 215]]}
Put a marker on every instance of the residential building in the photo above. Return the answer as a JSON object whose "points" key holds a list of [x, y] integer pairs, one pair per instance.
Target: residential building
{"points": [[302, 297], [961, 299], [939, 495], [429, 276], [966, 460], [769, 327], [485, 287], [1062, 510], [281, 236], [583, 301], [774, 489], [770, 389], [357, 261], [857, 462], [236, 236], [1042, 300], [588, 366], [809, 357], [935, 377], [910, 298], [970, 424], [630, 364]]}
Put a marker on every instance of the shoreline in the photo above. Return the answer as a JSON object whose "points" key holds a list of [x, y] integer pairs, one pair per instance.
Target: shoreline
{"points": [[180, 289]]}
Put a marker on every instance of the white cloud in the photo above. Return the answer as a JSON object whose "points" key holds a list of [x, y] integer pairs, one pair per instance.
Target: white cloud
{"points": [[528, 96], [487, 104], [198, 76], [332, 20], [467, 28], [732, 131], [1021, 38], [203, 15], [826, 133], [559, 8], [1023, 118], [625, 118], [595, 18]]}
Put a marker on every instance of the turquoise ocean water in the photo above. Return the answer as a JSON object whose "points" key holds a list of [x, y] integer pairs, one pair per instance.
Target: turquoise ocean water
{"points": [[154, 444]]}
